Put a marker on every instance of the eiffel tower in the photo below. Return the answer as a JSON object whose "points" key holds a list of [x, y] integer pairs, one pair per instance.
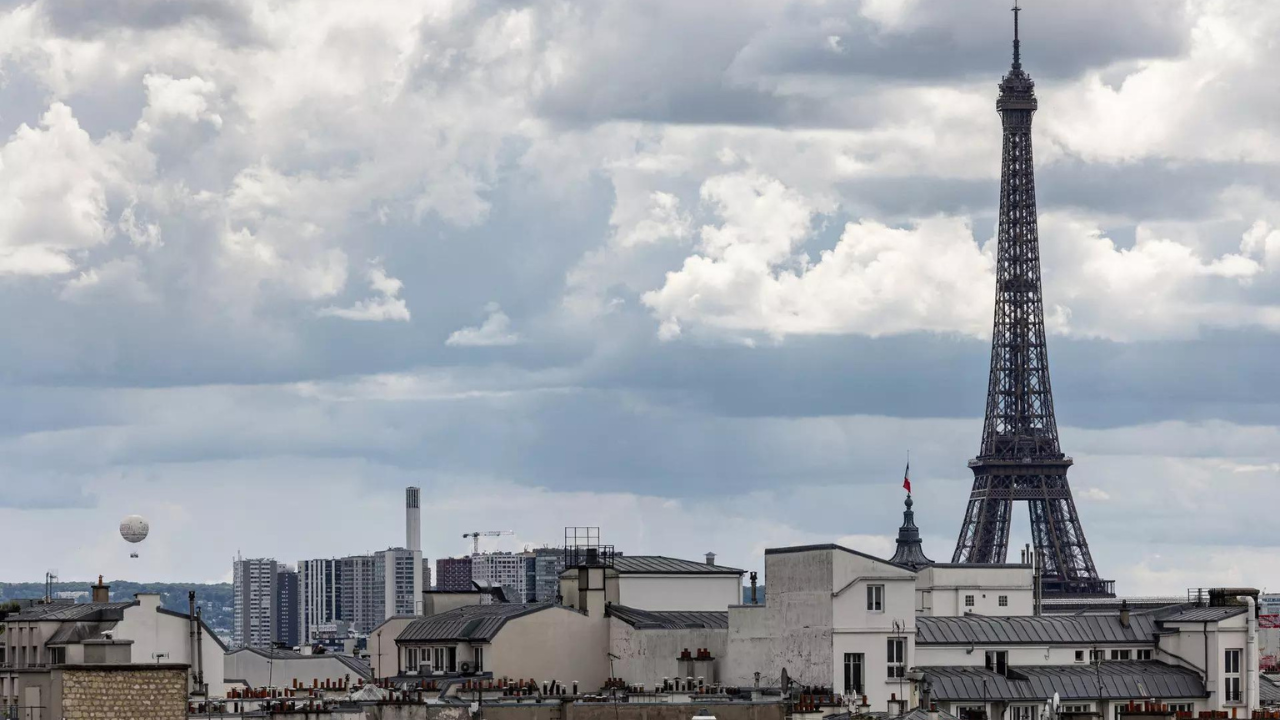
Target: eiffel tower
{"points": [[1020, 458]]}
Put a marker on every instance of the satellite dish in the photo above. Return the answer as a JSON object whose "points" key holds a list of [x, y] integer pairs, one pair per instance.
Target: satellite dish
{"points": [[134, 530]]}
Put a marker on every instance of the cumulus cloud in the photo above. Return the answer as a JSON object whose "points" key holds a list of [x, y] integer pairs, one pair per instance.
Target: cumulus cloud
{"points": [[54, 186], [495, 331], [185, 98], [751, 276], [385, 305], [877, 280]]}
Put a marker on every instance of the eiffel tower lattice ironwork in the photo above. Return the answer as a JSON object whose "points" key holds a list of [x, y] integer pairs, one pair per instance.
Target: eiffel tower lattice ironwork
{"points": [[1020, 458]]}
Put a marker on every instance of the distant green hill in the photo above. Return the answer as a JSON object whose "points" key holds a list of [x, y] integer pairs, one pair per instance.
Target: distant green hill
{"points": [[214, 600]]}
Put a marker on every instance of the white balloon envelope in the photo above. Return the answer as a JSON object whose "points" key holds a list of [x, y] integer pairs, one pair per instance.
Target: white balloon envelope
{"points": [[134, 529]]}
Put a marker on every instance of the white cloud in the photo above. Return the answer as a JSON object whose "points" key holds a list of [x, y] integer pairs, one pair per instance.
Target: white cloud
{"points": [[1181, 107], [1095, 494], [54, 186], [386, 305], [185, 98], [494, 331], [748, 277], [1158, 288], [661, 220]]}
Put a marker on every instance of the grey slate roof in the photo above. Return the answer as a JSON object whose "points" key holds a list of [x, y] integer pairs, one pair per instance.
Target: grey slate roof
{"points": [[1055, 629], [1113, 680], [357, 666], [1205, 614], [74, 633], [668, 620], [1268, 691], [471, 622], [648, 564], [64, 612], [93, 612]]}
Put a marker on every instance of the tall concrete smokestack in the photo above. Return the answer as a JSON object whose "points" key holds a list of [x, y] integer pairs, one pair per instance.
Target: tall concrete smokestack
{"points": [[413, 543], [412, 520]]}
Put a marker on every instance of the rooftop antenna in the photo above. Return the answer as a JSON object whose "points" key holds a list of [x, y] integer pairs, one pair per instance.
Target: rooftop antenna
{"points": [[1017, 44]]}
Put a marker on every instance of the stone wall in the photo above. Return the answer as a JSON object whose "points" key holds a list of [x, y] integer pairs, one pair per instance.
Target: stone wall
{"points": [[122, 692]]}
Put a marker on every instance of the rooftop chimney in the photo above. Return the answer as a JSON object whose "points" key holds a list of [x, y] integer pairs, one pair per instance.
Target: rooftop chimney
{"points": [[1124, 613], [101, 592], [711, 558], [754, 601]]}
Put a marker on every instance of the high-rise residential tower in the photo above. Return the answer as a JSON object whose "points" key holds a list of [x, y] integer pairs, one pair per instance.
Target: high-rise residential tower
{"points": [[253, 598]]}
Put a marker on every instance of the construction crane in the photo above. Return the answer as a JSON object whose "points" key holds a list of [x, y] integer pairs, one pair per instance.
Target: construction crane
{"points": [[475, 537]]}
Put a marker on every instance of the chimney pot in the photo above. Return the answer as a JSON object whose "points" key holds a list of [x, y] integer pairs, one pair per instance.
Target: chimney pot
{"points": [[711, 558]]}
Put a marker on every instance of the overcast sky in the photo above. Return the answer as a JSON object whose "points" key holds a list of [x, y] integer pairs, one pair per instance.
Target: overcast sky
{"points": [[700, 273]]}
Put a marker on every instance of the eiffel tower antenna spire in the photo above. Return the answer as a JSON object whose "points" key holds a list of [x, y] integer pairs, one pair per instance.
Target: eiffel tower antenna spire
{"points": [[1017, 44]]}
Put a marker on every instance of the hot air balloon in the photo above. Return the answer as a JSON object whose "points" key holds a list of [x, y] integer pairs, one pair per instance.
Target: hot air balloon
{"points": [[134, 529]]}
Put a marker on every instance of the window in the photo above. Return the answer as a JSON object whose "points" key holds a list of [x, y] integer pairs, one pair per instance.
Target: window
{"points": [[1022, 712], [968, 601], [1068, 709], [853, 675], [57, 655], [1146, 655], [971, 712], [896, 658], [1231, 667], [411, 659], [998, 661], [1184, 709], [1079, 656], [875, 598], [1120, 655], [437, 662], [1096, 656], [477, 656], [1003, 601]]}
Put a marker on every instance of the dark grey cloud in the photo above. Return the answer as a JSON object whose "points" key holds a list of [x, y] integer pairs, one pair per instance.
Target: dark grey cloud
{"points": [[88, 18], [1141, 191], [713, 62], [947, 41]]}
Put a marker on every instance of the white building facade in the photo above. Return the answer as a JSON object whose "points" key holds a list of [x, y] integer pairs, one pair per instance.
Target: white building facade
{"points": [[254, 596], [508, 571], [402, 582], [319, 589]]}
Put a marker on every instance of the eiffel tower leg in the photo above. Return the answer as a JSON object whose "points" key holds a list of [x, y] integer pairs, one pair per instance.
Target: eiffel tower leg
{"points": [[984, 537], [1056, 532]]}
